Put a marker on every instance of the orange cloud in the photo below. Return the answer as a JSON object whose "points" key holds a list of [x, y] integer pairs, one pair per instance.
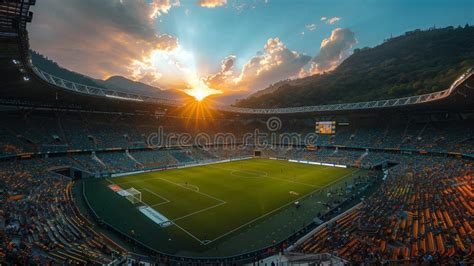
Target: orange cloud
{"points": [[98, 38], [220, 79], [333, 51], [160, 7], [212, 3], [276, 62]]}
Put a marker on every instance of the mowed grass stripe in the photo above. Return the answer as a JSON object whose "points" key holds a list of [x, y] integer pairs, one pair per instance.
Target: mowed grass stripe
{"points": [[266, 189]]}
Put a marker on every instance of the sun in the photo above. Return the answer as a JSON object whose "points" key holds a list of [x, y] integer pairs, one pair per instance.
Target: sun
{"points": [[199, 90], [199, 93], [176, 66]]}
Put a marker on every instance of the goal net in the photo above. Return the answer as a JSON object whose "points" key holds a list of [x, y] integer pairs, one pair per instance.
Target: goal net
{"points": [[133, 195]]}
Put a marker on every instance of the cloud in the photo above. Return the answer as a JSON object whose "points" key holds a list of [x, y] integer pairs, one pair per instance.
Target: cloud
{"points": [[220, 79], [311, 27], [98, 38], [323, 18], [274, 63], [211, 3], [332, 20], [166, 42], [333, 50], [120, 37], [242, 5], [160, 7]]}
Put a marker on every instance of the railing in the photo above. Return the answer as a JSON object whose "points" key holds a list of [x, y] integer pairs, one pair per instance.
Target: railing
{"points": [[313, 258], [405, 101], [97, 91]]}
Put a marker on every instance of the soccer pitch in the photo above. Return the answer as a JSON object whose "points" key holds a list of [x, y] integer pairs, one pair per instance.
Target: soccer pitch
{"points": [[209, 204]]}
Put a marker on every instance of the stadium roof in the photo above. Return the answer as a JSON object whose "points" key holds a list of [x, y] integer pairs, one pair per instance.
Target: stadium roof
{"points": [[26, 85]]}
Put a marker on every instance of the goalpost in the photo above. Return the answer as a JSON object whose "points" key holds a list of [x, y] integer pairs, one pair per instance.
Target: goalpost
{"points": [[133, 195]]}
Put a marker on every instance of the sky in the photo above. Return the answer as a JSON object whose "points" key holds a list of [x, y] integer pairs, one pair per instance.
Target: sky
{"points": [[224, 46]]}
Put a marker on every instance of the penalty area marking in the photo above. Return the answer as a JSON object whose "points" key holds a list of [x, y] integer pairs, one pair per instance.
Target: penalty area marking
{"points": [[196, 188], [156, 195], [185, 187], [221, 202], [146, 189], [294, 193], [199, 211]]}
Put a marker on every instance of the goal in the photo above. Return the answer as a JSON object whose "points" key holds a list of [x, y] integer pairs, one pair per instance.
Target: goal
{"points": [[134, 196]]}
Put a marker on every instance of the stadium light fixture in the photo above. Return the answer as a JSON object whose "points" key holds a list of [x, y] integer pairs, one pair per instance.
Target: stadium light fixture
{"points": [[16, 62], [26, 78]]}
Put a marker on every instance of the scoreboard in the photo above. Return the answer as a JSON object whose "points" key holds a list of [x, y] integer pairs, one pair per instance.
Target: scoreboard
{"points": [[326, 127]]}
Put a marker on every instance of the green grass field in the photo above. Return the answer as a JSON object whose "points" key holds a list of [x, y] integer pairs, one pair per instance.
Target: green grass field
{"points": [[218, 203]]}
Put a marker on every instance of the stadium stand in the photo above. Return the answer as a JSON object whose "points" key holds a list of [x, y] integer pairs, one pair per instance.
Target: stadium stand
{"points": [[42, 224], [420, 214]]}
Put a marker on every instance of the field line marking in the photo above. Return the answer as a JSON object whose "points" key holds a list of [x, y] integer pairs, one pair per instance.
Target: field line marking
{"points": [[184, 230], [223, 202], [157, 195], [196, 212], [138, 181], [281, 207], [158, 204], [292, 181], [199, 192], [177, 184], [302, 183], [187, 232], [189, 185], [154, 193], [263, 173], [266, 175]]}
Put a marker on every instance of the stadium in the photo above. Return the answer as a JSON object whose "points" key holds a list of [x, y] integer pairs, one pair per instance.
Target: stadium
{"points": [[92, 175]]}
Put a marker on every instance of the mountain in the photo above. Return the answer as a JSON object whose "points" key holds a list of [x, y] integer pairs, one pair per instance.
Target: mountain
{"points": [[271, 88], [53, 68], [227, 98], [116, 83], [123, 84], [415, 63]]}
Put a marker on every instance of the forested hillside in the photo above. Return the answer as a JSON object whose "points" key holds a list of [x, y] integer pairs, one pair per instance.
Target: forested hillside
{"points": [[415, 63]]}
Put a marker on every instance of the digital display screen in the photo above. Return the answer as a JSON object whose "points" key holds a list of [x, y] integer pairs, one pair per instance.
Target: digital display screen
{"points": [[326, 127]]}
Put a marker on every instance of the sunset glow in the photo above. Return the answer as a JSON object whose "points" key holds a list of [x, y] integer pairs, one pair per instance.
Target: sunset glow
{"points": [[177, 67], [200, 92], [221, 47]]}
